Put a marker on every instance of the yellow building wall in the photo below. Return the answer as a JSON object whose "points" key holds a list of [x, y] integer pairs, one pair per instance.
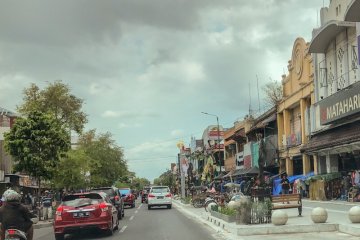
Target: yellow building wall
{"points": [[298, 92]]}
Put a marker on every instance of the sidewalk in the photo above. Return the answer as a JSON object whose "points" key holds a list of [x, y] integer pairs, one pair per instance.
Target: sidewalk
{"points": [[337, 222]]}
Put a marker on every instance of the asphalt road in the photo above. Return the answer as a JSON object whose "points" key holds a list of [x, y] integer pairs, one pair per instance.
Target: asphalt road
{"points": [[141, 223]]}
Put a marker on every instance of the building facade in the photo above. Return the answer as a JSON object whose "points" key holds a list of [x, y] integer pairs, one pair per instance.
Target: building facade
{"points": [[335, 119], [293, 112]]}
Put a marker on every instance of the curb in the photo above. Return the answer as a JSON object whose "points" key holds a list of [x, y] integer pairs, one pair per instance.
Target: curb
{"points": [[244, 230], [195, 216]]}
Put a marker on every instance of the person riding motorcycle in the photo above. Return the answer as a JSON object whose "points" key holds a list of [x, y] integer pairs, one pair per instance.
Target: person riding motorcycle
{"points": [[15, 215]]}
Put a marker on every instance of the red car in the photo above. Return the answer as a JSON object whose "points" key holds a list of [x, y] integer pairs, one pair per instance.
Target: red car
{"points": [[85, 211], [129, 198]]}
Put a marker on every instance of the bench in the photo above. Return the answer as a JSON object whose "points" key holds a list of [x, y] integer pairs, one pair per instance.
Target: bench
{"points": [[285, 201]]}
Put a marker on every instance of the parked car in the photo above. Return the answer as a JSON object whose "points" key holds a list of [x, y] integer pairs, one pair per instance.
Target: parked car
{"points": [[159, 196], [129, 198], [115, 198], [85, 211]]}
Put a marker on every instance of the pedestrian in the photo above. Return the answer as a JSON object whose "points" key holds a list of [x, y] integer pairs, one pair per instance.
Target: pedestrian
{"points": [[285, 185], [46, 201]]}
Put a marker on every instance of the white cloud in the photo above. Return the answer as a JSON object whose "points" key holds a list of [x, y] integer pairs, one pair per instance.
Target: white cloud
{"points": [[110, 114], [177, 133]]}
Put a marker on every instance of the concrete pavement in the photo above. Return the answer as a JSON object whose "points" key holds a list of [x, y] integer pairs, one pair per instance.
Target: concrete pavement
{"points": [[337, 223]]}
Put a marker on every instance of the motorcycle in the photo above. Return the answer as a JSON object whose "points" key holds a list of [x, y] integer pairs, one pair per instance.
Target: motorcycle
{"points": [[15, 234], [208, 201]]}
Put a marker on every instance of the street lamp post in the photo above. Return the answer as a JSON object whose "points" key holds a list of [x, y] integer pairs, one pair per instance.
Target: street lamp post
{"points": [[218, 133]]}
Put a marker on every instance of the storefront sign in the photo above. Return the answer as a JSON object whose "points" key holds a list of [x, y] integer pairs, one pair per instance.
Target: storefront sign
{"points": [[341, 104]]}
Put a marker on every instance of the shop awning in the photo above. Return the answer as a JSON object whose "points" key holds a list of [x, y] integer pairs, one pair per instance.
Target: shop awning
{"points": [[326, 34], [352, 12], [335, 140]]}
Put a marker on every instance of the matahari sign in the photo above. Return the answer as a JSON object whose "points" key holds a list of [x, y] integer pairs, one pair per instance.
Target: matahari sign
{"points": [[340, 104]]}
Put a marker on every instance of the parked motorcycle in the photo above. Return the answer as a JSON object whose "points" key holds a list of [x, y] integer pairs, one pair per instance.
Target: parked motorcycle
{"points": [[208, 201]]}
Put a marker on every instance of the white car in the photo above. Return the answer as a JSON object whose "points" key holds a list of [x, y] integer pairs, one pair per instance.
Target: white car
{"points": [[159, 196]]}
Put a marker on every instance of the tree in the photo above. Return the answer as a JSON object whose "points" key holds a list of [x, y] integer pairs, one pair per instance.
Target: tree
{"points": [[106, 159], [72, 171], [36, 143], [273, 93], [166, 179], [58, 100]]}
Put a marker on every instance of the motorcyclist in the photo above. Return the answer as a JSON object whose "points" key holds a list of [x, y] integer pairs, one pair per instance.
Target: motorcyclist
{"points": [[15, 215]]}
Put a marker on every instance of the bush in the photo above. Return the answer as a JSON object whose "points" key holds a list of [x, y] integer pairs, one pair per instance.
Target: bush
{"points": [[186, 200], [227, 211]]}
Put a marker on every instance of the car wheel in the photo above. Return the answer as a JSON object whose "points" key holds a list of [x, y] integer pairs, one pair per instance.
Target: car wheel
{"points": [[117, 225], [133, 205], [169, 206], [110, 231], [59, 236], [149, 207]]}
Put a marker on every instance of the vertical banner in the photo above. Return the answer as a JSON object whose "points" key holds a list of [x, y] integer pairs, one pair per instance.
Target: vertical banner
{"points": [[358, 40]]}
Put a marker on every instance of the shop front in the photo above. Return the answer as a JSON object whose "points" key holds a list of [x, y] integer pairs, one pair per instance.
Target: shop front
{"points": [[336, 148]]}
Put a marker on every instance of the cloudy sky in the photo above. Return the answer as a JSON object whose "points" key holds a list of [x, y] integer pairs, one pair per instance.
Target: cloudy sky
{"points": [[147, 68]]}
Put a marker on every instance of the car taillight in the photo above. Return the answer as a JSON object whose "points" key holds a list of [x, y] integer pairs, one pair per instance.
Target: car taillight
{"points": [[59, 210], [168, 195], [117, 198], [103, 207], [151, 196], [11, 231]]}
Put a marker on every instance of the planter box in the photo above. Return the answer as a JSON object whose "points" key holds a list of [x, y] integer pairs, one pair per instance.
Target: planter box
{"points": [[224, 217]]}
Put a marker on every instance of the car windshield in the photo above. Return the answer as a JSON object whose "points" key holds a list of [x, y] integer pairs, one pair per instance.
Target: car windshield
{"points": [[160, 190], [82, 200], [108, 191], [124, 191]]}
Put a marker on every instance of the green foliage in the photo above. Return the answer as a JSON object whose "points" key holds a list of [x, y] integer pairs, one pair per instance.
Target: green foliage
{"points": [[262, 208], [105, 159], [72, 172], [186, 200], [57, 100], [227, 211], [122, 185], [166, 179], [215, 208], [139, 183], [36, 143]]}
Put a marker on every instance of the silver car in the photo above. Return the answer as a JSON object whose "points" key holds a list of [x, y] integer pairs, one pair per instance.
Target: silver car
{"points": [[159, 196]]}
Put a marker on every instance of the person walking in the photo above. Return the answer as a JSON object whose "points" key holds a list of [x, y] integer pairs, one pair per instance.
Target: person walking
{"points": [[285, 185], [46, 205]]}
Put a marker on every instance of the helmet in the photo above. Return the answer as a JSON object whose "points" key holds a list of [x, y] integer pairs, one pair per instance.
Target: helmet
{"points": [[11, 196]]}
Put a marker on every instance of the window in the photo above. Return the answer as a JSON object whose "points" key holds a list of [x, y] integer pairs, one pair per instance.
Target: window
{"points": [[160, 190]]}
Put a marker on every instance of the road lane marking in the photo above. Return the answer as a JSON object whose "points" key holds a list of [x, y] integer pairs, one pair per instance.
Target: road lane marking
{"points": [[123, 229], [131, 218]]}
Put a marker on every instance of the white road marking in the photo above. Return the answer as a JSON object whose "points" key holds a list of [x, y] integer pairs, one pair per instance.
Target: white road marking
{"points": [[123, 229], [139, 206], [131, 218]]}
